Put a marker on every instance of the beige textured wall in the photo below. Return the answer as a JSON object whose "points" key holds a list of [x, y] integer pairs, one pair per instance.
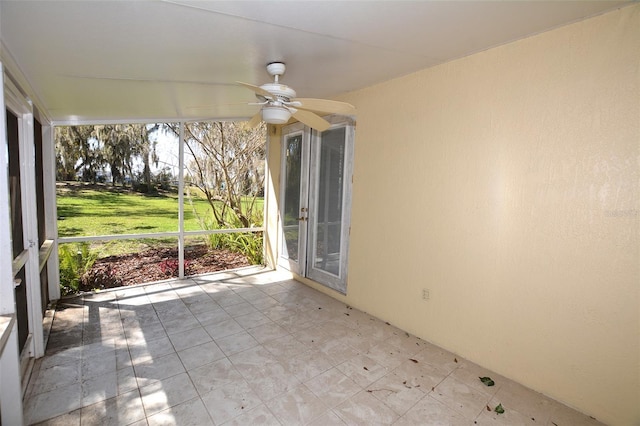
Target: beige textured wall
{"points": [[507, 183]]}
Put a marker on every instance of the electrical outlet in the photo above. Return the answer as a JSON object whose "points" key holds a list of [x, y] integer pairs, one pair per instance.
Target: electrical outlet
{"points": [[425, 294]]}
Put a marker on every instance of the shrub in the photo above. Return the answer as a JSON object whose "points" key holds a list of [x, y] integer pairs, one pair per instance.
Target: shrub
{"points": [[100, 277], [171, 267], [75, 261], [249, 244]]}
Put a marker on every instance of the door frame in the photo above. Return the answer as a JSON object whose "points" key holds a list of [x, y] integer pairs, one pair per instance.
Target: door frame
{"points": [[311, 144], [296, 266], [336, 282], [23, 109]]}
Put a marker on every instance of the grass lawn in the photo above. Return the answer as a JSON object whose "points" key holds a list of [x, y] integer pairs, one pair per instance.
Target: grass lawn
{"points": [[91, 210]]}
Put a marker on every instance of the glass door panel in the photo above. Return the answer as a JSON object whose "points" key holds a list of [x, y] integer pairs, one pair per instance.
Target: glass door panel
{"points": [[329, 218], [293, 200], [315, 202]]}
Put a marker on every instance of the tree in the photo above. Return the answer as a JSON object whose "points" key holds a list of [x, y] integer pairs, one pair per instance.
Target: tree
{"points": [[122, 143], [75, 153], [227, 165], [88, 149]]}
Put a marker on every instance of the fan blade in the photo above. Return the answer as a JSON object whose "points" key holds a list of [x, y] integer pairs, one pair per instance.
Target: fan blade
{"points": [[259, 90], [325, 105], [256, 119], [310, 119]]}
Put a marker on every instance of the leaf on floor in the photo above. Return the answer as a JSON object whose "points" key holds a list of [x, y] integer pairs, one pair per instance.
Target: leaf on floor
{"points": [[499, 409], [487, 381]]}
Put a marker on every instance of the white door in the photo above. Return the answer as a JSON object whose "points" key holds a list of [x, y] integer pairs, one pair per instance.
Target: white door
{"points": [[293, 200], [316, 201]]}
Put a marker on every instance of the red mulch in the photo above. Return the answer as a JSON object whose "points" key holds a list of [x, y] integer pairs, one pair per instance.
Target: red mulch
{"points": [[157, 264]]}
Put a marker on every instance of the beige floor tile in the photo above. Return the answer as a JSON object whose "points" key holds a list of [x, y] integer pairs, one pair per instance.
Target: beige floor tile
{"points": [[99, 388], [460, 397], [285, 347], [396, 392], [365, 409], [267, 332], [252, 360], [563, 415], [435, 356], [68, 419], [158, 369], [362, 370], [239, 309], [236, 343], [470, 374], [227, 298], [211, 317], [298, 406], [333, 387], [524, 400], [271, 381], [247, 347], [422, 375], [337, 350], [190, 338], [167, 393], [508, 418], [329, 418], [202, 304], [306, 365], [121, 410], [178, 325], [387, 355], [429, 411], [252, 320], [53, 403], [98, 364], [189, 413], [214, 375], [147, 350], [126, 379], [67, 356], [200, 355], [228, 402], [224, 328], [57, 376], [259, 415]]}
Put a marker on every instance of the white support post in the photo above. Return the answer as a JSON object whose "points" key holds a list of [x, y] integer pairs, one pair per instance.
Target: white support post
{"points": [[50, 208], [10, 388], [7, 296], [181, 203], [30, 224]]}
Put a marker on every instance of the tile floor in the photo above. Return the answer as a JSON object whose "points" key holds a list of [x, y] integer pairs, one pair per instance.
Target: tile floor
{"points": [[254, 347]]}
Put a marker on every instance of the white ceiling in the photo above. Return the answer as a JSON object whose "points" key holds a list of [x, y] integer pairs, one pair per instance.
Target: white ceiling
{"points": [[177, 60]]}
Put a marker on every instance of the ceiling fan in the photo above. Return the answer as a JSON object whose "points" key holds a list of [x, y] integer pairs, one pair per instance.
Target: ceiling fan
{"points": [[279, 103]]}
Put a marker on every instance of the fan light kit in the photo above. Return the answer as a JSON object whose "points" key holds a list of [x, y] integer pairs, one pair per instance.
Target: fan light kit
{"points": [[279, 103], [275, 114]]}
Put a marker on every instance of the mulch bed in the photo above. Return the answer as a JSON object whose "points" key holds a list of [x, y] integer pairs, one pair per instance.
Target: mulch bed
{"points": [[157, 264]]}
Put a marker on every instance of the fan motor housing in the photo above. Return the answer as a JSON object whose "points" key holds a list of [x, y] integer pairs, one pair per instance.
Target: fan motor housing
{"points": [[280, 90]]}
